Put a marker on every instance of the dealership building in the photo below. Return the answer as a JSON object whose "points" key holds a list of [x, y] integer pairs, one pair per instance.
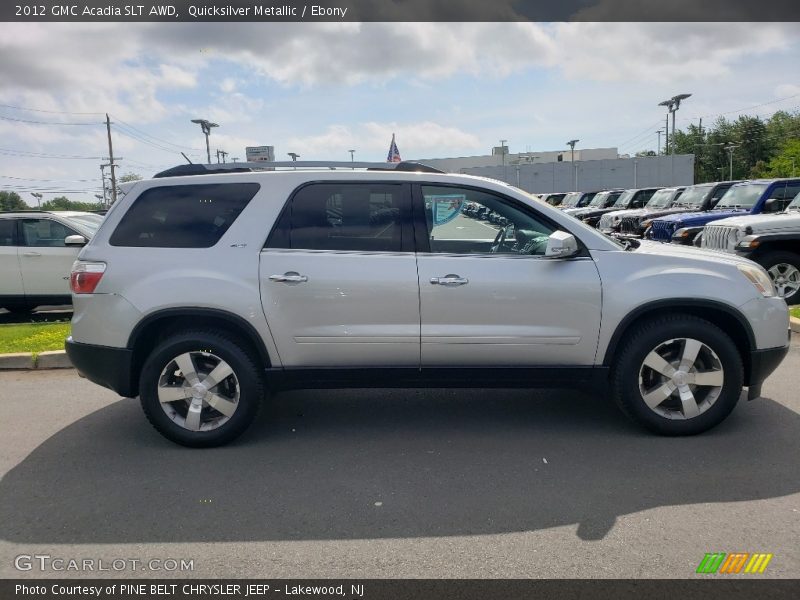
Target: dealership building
{"points": [[555, 170]]}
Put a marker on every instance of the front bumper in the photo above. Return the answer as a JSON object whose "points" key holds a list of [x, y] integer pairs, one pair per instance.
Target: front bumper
{"points": [[104, 365], [762, 364]]}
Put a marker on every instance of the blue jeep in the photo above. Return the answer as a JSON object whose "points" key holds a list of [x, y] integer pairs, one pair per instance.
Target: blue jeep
{"points": [[749, 197]]}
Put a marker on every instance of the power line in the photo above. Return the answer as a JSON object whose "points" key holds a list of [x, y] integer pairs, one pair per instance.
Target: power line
{"points": [[27, 154], [143, 140], [748, 108], [47, 180], [44, 122], [54, 112], [649, 130], [144, 133]]}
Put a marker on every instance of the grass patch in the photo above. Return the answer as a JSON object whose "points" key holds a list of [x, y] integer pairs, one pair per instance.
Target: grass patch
{"points": [[32, 337], [795, 312]]}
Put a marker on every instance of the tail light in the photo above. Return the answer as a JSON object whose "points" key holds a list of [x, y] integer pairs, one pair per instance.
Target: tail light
{"points": [[85, 276]]}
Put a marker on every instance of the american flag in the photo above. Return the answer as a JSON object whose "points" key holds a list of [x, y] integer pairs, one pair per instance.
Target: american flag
{"points": [[394, 153]]}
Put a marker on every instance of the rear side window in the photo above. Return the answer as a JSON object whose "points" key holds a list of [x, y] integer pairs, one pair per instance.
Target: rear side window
{"points": [[7, 227], [362, 217], [183, 216]]}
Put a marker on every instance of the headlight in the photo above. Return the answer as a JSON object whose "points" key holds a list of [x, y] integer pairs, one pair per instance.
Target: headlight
{"points": [[749, 242], [615, 219], [759, 278]]}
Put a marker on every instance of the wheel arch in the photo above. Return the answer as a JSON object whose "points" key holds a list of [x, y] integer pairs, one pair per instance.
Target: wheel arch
{"points": [[726, 317], [160, 324]]}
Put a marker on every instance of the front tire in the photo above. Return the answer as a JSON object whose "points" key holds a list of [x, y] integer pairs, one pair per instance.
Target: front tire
{"points": [[677, 375], [200, 389], [784, 270]]}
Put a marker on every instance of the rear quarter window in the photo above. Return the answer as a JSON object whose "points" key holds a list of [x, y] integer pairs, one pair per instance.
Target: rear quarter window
{"points": [[183, 216]]}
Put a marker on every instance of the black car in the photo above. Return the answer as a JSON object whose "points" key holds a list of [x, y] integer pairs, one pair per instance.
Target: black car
{"points": [[633, 198]]}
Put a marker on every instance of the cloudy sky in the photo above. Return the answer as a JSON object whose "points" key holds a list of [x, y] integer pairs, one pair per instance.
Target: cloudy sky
{"points": [[445, 89]]}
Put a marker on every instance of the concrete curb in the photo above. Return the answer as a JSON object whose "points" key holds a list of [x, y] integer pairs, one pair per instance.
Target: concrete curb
{"points": [[56, 359], [794, 323]]}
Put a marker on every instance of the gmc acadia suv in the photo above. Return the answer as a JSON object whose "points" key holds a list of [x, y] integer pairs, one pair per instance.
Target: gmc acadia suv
{"points": [[201, 293]]}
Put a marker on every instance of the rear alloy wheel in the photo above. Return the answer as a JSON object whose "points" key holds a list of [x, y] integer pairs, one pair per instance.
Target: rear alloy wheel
{"points": [[200, 389], [784, 270], [678, 375]]}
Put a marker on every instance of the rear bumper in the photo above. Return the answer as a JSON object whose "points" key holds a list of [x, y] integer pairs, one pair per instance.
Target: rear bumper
{"points": [[103, 365], [762, 364]]}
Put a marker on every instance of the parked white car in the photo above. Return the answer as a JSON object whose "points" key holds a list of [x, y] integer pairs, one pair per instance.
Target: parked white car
{"points": [[201, 292], [37, 250]]}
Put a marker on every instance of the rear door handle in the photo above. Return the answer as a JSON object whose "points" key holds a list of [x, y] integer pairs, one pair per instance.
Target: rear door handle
{"points": [[449, 280], [31, 254], [289, 277]]}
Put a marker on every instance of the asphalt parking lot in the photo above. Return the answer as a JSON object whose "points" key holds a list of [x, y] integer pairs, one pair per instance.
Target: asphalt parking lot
{"points": [[397, 483]]}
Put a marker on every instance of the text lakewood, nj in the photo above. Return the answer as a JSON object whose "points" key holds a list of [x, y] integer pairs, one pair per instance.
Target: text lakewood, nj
{"points": [[258, 10]]}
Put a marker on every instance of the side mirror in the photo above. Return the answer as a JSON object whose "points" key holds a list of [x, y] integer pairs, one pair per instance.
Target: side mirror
{"points": [[75, 240], [561, 245], [773, 205]]}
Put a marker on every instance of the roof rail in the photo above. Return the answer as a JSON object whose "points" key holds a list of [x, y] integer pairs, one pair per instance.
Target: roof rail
{"points": [[244, 167]]}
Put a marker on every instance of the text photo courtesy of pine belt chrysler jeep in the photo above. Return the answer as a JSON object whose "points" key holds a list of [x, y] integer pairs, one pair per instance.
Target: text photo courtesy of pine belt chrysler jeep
{"points": [[201, 293]]}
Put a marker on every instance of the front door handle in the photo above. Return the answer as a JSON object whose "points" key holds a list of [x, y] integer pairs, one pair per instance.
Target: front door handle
{"points": [[449, 280], [289, 277], [31, 254]]}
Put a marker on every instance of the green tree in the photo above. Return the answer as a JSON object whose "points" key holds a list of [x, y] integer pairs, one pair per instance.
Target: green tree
{"points": [[11, 201], [787, 162], [64, 203]]}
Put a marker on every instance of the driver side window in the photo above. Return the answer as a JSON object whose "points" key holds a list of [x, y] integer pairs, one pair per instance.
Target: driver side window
{"points": [[466, 221]]}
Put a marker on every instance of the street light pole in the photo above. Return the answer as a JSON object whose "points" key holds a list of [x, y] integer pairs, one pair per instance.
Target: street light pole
{"points": [[730, 148], [206, 126], [571, 145], [352, 153], [673, 104], [503, 151], [38, 197]]}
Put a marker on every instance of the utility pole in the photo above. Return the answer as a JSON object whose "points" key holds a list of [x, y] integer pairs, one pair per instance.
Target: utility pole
{"points": [[223, 154], [235, 159], [730, 148], [111, 162]]}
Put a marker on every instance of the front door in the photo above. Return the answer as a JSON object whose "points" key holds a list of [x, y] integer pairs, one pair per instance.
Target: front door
{"points": [[10, 276], [489, 297], [338, 277]]}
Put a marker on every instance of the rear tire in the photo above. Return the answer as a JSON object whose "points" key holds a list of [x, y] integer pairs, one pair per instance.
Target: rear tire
{"points": [[677, 375], [784, 270], [200, 388]]}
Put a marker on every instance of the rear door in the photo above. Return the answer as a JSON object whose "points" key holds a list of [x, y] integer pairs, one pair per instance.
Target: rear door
{"points": [[10, 276], [338, 277], [45, 261]]}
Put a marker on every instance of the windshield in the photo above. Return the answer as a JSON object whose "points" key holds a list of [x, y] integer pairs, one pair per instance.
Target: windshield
{"points": [[89, 222], [600, 199], [694, 196], [795, 204], [742, 196], [661, 199], [624, 200], [571, 199]]}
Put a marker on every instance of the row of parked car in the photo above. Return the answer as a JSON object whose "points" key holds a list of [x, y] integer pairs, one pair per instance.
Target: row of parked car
{"points": [[758, 219]]}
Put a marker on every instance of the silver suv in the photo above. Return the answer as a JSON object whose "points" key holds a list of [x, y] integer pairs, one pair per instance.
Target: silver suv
{"points": [[201, 293]]}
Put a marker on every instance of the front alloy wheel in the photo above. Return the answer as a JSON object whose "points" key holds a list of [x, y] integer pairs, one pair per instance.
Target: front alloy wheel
{"points": [[786, 278], [681, 378], [677, 374]]}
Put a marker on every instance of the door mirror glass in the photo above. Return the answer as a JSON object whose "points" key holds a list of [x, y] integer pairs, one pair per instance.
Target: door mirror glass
{"points": [[75, 240], [561, 244]]}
